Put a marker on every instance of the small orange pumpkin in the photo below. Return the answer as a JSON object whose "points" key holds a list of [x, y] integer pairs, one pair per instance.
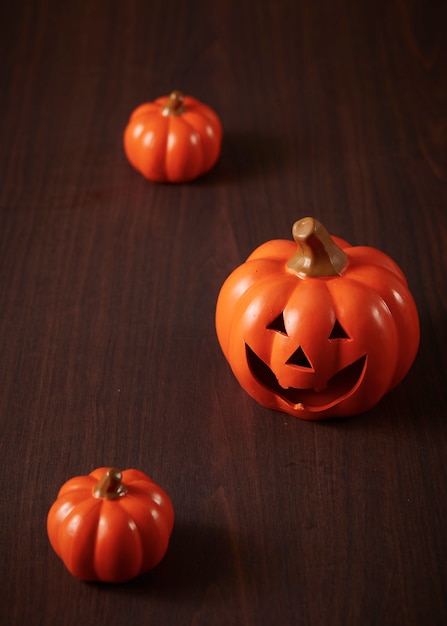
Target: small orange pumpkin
{"points": [[110, 526], [315, 327], [173, 139]]}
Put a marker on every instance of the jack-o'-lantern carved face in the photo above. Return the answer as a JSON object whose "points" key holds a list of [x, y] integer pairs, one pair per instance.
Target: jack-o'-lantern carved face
{"points": [[313, 393], [322, 332]]}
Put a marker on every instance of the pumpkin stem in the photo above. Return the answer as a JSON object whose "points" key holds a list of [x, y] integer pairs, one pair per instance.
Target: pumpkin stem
{"points": [[174, 104], [110, 486], [317, 254]]}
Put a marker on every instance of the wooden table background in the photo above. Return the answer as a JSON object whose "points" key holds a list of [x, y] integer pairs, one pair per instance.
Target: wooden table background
{"points": [[108, 285]]}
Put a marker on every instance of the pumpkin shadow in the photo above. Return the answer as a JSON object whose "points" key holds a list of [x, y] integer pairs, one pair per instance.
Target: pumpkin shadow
{"points": [[197, 557], [245, 155]]}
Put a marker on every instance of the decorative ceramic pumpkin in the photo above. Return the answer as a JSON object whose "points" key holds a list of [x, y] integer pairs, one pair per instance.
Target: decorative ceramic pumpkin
{"points": [[315, 327], [110, 526], [173, 139]]}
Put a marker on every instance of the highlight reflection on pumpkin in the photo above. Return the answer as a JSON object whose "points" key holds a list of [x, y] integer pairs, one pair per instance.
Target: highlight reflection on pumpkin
{"points": [[315, 327]]}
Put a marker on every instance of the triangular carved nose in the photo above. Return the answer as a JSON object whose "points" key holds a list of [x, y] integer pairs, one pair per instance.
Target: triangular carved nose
{"points": [[338, 332], [300, 359]]}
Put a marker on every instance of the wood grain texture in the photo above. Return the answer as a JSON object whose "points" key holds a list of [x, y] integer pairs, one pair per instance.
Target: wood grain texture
{"points": [[108, 290]]}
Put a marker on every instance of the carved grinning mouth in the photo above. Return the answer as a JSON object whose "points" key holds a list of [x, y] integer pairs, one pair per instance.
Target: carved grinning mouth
{"points": [[339, 387]]}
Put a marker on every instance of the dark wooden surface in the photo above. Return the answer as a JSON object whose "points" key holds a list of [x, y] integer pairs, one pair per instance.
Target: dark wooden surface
{"points": [[108, 286]]}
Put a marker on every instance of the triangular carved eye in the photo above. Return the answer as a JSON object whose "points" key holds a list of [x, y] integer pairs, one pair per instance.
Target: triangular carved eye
{"points": [[338, 332], [300, 359], [278, 325]]}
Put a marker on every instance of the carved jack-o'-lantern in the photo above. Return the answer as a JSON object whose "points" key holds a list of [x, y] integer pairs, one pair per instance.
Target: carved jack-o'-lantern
{"points": [[315, 327]]}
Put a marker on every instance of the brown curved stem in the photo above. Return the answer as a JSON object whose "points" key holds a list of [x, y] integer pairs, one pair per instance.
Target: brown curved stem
{"points": [[317, 254], [110, 485], [174, 104]]}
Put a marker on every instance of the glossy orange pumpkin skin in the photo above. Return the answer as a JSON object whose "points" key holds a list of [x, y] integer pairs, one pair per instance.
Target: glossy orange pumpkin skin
{"points": [[317, 347], [171, 140], [110, 540]]}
